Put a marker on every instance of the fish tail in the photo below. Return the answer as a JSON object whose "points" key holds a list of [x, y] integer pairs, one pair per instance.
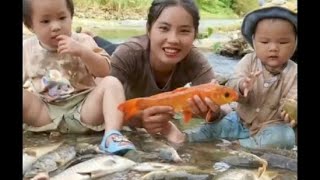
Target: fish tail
{"points": [[129, 108]]}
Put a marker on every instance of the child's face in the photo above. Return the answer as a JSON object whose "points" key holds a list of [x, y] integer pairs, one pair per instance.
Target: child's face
{"points": [[171, 35], [274, 42], [50, 18]]}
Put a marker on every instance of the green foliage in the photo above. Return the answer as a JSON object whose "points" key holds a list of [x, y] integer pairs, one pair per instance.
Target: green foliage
{"points": [[217, 47], [210, 31], [208, 8], [216, 7], [117, 5], [242, 7], [206, 34]]}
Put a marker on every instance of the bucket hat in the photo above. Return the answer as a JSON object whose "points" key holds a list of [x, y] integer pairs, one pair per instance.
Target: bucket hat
{"points": [[251, 20]]}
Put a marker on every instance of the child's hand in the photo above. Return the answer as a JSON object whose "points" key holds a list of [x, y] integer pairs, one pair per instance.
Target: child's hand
{"points": [[247, 83], [289, 112], [67, 45], [286, 118]]}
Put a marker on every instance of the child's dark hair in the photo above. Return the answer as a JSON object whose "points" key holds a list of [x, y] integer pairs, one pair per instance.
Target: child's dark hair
{"points": [[158, 6], [27, 11]]}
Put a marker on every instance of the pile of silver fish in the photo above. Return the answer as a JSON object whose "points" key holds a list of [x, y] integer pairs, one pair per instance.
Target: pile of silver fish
{"points": [[79, 158]]}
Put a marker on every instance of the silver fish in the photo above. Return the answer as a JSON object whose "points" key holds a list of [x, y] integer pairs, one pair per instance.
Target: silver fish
{"points": [[32, 154], [151, 166], [73, 162], [244, 159], [278, 158], [51, 161], [95, 168], [278, 161], [292, 154], [179, 172], [153, 144], [244, 174]]}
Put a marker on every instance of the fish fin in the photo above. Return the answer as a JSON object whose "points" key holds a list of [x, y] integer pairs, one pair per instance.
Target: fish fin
{"points": [[60, 162], [208, 116], [187, 115], [92, 174], [98, 173], [129, 108]]}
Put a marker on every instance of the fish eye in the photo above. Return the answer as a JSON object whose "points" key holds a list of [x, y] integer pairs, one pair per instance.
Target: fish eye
{"points": [[227, 94]]}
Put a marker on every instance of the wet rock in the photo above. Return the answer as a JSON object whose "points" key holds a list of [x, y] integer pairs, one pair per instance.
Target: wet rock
{"points": [[237, 47]]}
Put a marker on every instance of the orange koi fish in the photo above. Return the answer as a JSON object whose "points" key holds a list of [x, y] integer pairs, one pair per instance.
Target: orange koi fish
{"points": [[178, 100]]}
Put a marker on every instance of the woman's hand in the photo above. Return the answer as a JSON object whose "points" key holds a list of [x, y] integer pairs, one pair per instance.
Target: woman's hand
{"points": [[156, 118], [206, 109]]}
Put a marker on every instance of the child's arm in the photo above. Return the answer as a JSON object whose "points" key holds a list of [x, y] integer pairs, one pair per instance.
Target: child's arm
{"points": [[96, 63], [243, 77]]}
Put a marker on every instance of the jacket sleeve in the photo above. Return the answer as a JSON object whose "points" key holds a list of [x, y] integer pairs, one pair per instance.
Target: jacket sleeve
{"points": [[242, 69]]}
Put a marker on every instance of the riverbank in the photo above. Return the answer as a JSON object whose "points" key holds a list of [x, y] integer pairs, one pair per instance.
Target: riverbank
{"points": [[137, 10]]}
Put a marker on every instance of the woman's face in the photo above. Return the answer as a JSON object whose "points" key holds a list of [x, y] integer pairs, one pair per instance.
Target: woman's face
{"points": [[171, 36]]}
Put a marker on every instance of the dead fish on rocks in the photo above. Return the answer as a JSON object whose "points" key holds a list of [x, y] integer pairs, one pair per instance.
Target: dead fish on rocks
{"points": [[148, 143], [245, 159], [73, 162], [99, 166], [151, 166], [241, 174], [278, 161], [32, 154], [179, 172], [278, 158], [283, 152], [141, 156], [86, 148], [52, 161]]}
